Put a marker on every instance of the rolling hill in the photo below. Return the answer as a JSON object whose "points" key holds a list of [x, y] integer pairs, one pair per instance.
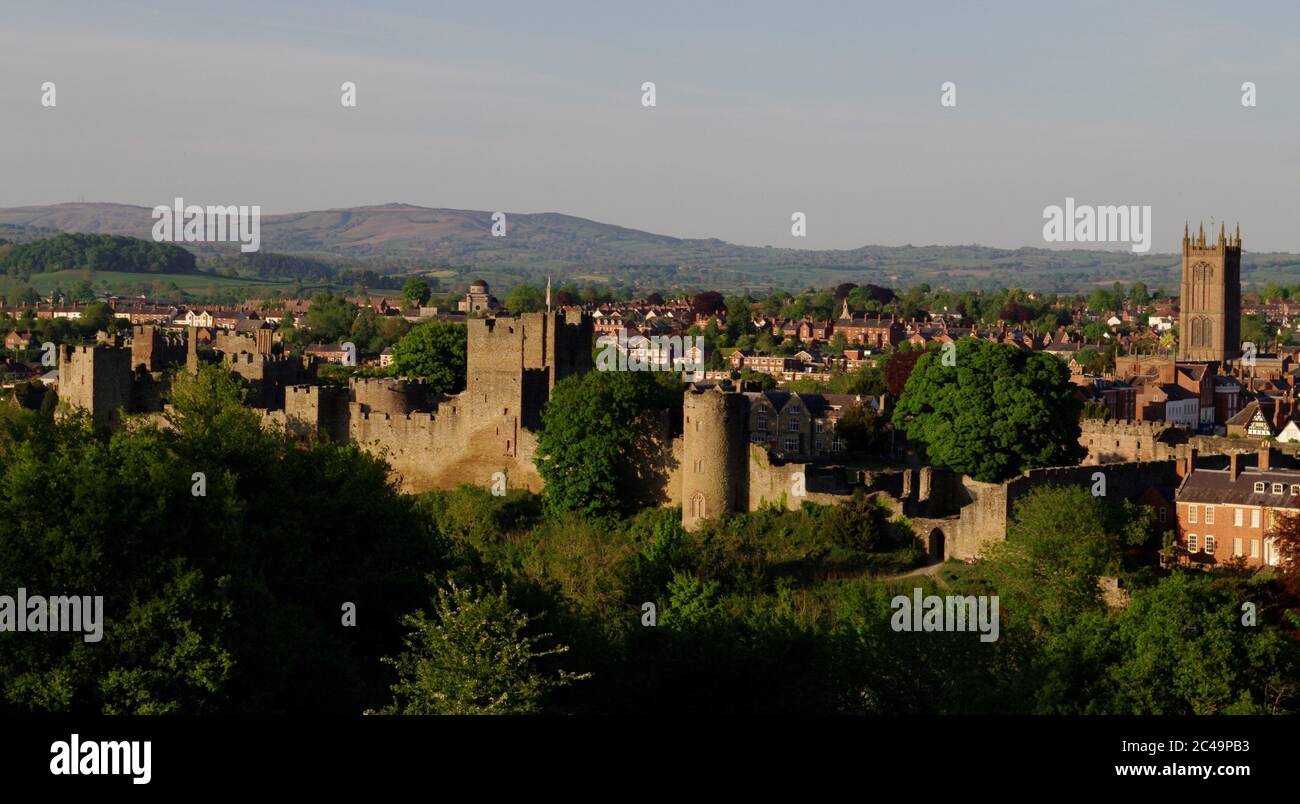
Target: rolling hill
{"points": [[576, 249]]}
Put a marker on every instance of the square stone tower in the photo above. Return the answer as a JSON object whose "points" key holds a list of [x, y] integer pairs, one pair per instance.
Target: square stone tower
{"points": [[1209, 322]]}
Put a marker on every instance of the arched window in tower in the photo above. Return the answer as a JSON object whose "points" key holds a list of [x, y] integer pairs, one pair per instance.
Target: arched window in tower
{"points": [[1202, 276], [698, 510], [1202, 332]]}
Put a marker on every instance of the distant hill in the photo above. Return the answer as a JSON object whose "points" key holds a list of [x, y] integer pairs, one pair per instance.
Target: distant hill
{"points": [[102, 252], [579, 250]]}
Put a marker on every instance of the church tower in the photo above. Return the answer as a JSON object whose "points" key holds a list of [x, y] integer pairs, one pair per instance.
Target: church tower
{"points": [[1209, 319]]}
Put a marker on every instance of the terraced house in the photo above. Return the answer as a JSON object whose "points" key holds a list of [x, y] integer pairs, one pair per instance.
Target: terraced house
{"points": [[1227, 514]]}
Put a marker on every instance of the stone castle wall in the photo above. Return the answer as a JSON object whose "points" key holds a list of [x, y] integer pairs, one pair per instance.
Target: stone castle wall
{"points": [[512, 365], [155, 349], [1117, 442], [393, 396], [97, 379], [986, 508], [1123, 442]]}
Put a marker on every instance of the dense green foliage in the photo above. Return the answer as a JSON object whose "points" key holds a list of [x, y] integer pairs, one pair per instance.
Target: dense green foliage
{"points": [[416, 292], [226, 602], [775, 611], [473, 657], [862, 429], [596, 450], [526, 299], [97, 252], [1179, 647], [231, 601], [330, 318], [435, 351], [993, 412]]}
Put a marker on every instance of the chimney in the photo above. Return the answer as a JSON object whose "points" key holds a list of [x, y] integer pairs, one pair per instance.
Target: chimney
{"points": [[1234, 468], [1265, 457], [1185, 466]]}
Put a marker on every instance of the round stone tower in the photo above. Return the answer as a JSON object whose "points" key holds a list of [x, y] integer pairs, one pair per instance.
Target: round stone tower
{"points": [[714, 457], [396, 397]]}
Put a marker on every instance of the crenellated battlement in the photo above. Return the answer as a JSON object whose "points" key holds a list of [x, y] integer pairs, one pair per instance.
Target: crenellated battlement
{"points": [[484, 432], [1124, 428]]}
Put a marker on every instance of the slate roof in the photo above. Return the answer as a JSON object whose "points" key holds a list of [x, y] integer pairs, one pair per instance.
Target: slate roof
{"points": [[1216, 487]]}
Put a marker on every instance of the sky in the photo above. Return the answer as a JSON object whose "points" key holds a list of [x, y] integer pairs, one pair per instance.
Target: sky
{"points": [[762, 110]]}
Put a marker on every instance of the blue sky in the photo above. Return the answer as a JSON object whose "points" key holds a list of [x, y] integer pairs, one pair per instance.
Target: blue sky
{"points": [[763, 109]]}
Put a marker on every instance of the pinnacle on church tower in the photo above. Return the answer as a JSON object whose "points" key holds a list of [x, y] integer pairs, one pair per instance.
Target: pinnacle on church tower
{"points": [[1210, 297]]}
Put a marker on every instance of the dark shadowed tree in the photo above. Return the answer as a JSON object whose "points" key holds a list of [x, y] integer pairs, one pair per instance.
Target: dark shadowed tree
{"points": [[595, 450], [708, 303]]}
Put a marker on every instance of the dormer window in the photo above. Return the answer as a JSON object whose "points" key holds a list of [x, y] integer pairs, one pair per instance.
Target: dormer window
{"points": [[1259, 488], [1277, 488]]}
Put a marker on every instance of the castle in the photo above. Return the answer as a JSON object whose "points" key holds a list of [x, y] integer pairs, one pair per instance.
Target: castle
{"points": [[741, 450], [736, 450], [512, 365]]}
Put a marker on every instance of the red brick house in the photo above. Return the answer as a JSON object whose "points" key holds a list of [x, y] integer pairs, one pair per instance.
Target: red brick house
{"points": [[1226, 514]]}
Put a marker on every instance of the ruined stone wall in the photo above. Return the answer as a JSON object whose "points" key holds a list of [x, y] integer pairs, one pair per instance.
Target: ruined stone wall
{"points": [[316, 409], [155, 349], [776, 484], [1222, 445], [268, 376], [446, 448], [988, 507], [261, 342], [512, 363]]}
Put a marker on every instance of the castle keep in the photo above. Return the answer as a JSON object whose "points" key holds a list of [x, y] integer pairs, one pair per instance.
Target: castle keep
{"points": [[511, 366]]}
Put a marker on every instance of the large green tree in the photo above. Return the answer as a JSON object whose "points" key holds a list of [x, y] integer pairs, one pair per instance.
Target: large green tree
{"points": [[595, 450], [1060, 541], [416, 292], [435, 351], [525, 299], [991, 411], [330, 317]]}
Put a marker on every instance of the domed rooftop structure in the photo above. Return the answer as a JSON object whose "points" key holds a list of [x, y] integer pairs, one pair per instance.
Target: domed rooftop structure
{"points": [[478, 284]]}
